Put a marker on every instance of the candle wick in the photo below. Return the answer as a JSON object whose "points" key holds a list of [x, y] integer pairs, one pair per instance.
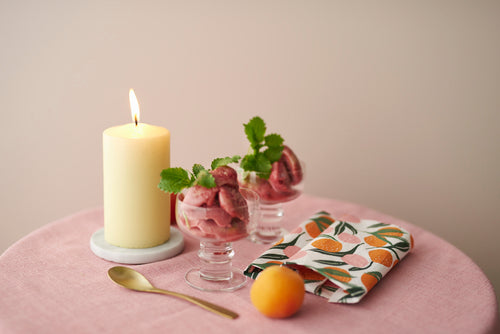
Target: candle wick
{"points": [[135, 119]]}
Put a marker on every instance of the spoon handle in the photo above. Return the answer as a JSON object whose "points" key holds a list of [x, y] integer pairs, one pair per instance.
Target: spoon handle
{"points": [[202, 303]]}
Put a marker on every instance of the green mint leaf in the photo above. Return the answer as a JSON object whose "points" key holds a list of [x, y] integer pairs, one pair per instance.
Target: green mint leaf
{"points": [[255, 130], [197, 168], [248, 162], [224, 161], [205, 179], [274, 140], [273, 154], [274, 143], [173, 180], [255, 160], [263, 165], [257, 163]]}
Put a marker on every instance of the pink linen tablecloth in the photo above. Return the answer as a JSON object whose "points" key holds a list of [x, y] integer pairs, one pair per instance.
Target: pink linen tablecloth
{"points": [[51, 282]]}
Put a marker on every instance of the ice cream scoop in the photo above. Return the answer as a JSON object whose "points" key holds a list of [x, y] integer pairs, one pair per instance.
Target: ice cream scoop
{"points": [[292, 165], [225, 176]]}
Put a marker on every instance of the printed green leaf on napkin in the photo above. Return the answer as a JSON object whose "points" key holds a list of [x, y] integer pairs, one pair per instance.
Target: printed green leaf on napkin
{"points": [[339, 260]]}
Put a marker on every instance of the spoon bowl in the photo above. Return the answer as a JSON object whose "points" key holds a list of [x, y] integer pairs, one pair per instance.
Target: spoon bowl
{"points": [[133, 280], [129, 279]]}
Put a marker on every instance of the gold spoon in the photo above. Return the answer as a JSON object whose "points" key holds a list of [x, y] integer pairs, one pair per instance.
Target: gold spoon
{"points": [[131, 279]]}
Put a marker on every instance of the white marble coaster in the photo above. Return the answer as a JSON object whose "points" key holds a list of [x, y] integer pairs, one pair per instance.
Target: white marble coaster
{"points": [[104, 250]]}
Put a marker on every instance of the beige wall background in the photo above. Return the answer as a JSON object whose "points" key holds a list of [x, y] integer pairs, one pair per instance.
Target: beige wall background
{"points": [[394, 105]]}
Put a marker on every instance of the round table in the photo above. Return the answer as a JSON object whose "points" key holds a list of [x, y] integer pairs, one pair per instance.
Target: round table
{"points": [[53, 283]]}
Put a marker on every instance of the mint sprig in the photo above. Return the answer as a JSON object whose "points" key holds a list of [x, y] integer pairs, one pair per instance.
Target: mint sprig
{"points": [[219, 162], [255, 130], [264, 150], [175, 179]]}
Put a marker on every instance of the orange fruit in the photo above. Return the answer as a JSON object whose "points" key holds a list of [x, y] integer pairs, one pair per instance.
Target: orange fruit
{"points": [[327, 245], [338, 273], [315, 228], [390, 232], [368, 281], [381, 256], [278, 292], [374, 241]]}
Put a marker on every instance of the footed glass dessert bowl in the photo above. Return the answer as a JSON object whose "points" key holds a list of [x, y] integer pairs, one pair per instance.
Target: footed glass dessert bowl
{"points": [[285, 184], [217, 217]]}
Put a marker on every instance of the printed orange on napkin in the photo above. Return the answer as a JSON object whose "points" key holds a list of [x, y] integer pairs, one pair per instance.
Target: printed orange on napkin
{"points": [[339, 260]]}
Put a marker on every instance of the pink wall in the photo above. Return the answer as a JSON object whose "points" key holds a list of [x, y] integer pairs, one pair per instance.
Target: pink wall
{"points": [[391, 105]]}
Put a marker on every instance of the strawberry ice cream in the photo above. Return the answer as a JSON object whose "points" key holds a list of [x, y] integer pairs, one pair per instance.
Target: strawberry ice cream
{"points": [[286, 175], [219, 213]]}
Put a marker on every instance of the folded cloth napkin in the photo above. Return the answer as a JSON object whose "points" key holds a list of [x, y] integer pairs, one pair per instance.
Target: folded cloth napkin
{"points": [[340, 260]]}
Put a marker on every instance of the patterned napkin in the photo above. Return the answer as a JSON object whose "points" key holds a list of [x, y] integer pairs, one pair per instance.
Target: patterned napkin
{"points": [[339, 260]]}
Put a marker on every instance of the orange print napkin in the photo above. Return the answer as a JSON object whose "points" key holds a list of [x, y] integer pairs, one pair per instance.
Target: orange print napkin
{"points": [[339, 260]]}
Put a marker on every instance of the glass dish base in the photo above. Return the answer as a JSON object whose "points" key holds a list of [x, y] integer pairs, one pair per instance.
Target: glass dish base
{"points": [[264, 236], [194, 278]]}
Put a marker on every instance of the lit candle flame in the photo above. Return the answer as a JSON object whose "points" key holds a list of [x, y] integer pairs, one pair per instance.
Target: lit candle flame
{"points": [[134, 107]]}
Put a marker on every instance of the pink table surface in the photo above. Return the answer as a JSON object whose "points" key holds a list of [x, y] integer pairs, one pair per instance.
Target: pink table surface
{"points": [[51, 282]]}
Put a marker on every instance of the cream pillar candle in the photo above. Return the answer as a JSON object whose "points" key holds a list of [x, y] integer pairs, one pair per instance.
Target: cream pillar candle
{"points": [[136, 212]]}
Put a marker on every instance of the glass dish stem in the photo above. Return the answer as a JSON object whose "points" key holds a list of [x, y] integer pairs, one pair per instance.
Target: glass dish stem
{"points": [[216, 272], [268, 229], [216, 258]]}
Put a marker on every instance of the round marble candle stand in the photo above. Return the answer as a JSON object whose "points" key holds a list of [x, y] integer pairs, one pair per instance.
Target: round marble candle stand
{"points": [[104, 250]]}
